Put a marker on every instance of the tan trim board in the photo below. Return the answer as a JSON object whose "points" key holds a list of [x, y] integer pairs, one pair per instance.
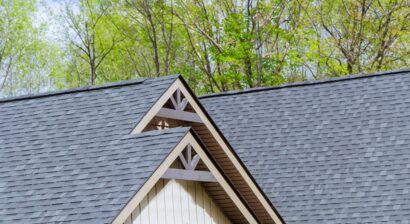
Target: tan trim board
{"points": [[144, 190], [190, 175], [178, 115]]}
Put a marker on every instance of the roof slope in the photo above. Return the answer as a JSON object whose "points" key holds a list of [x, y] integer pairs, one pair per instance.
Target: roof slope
{"points": [[70, 159], [333, 151]]}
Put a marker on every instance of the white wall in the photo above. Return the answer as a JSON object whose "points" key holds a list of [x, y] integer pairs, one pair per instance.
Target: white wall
{"points": [[177, 202]]}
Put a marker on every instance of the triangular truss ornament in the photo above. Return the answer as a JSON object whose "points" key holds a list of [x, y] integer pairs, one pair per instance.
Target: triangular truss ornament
{"points": [[178, 112], [178, 101], [189, 163]]}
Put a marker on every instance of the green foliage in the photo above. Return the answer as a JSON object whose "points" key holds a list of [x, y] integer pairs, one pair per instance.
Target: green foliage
{"points": [[24, 56], [216, 45], [91, 44]]}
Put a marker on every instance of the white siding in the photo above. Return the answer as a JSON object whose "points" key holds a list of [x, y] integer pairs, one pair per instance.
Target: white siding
{"points": [[177, 202]]}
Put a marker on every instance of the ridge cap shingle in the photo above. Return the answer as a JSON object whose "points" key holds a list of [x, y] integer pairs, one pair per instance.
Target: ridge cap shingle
{"points": [[308, 83], [87, 88]]}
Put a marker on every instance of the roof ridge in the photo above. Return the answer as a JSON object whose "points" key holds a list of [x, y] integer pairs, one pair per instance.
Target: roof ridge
{"points": [[73, 90], [308, 83], [80, 89]]}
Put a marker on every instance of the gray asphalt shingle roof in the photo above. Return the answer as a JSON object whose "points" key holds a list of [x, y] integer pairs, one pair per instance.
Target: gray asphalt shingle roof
{"points": [[70, 158], [335, 151]]}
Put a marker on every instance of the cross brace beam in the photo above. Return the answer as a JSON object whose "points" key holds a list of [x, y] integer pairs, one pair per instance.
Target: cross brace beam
{"points": [[191, 175], [179, 115]]}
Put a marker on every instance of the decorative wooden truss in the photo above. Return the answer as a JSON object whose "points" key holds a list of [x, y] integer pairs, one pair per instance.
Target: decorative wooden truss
{"points": [[178, 112], [189, 162]]}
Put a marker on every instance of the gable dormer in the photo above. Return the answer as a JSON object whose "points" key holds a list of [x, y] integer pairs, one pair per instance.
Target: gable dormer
{"points": [[179, 107]]}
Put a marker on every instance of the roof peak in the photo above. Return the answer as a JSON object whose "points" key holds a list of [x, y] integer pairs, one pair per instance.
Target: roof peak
{"points": [[82, 89], [308, 83]]}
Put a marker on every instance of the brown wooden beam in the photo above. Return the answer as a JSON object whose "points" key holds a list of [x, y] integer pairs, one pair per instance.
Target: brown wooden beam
{"points": [[179, 115], [191, 175]]}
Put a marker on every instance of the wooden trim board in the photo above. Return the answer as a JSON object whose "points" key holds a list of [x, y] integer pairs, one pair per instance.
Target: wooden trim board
{"points": [[191, 175], [178, 115]]}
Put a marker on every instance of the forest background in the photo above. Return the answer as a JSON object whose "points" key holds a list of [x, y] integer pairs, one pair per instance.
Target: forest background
{"points": [[217, 45]]}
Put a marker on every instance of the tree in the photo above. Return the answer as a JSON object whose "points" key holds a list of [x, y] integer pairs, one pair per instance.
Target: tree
{"points": [[91, 38], [216, 45], [225, 45], [241, 44], [151, 28], [367, 34], [24, 55]]}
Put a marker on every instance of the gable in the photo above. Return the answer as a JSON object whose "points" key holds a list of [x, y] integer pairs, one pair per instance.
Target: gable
{"points": [[338, 148], [240, 214], [165, 111]]}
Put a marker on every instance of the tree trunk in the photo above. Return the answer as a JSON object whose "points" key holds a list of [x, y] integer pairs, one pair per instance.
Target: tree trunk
{"points": [[92, 70]]}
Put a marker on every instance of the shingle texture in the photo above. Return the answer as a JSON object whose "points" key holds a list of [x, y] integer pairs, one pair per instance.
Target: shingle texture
{"points": [[327, 152], [69, 158]]}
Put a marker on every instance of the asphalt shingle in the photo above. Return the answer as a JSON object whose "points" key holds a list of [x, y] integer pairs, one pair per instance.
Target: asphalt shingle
{"points": [[69, 157], [328, 152]]}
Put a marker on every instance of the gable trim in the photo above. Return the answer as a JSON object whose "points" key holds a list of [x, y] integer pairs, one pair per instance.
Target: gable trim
{"points": [[159, 172], [207, 121]]}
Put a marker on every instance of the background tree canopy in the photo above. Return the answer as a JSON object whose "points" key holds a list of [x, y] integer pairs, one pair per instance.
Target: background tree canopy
{"points": [[217, 45]]}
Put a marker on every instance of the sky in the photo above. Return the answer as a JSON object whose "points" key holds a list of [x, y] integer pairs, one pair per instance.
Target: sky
{"points": [[49, 13]]}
